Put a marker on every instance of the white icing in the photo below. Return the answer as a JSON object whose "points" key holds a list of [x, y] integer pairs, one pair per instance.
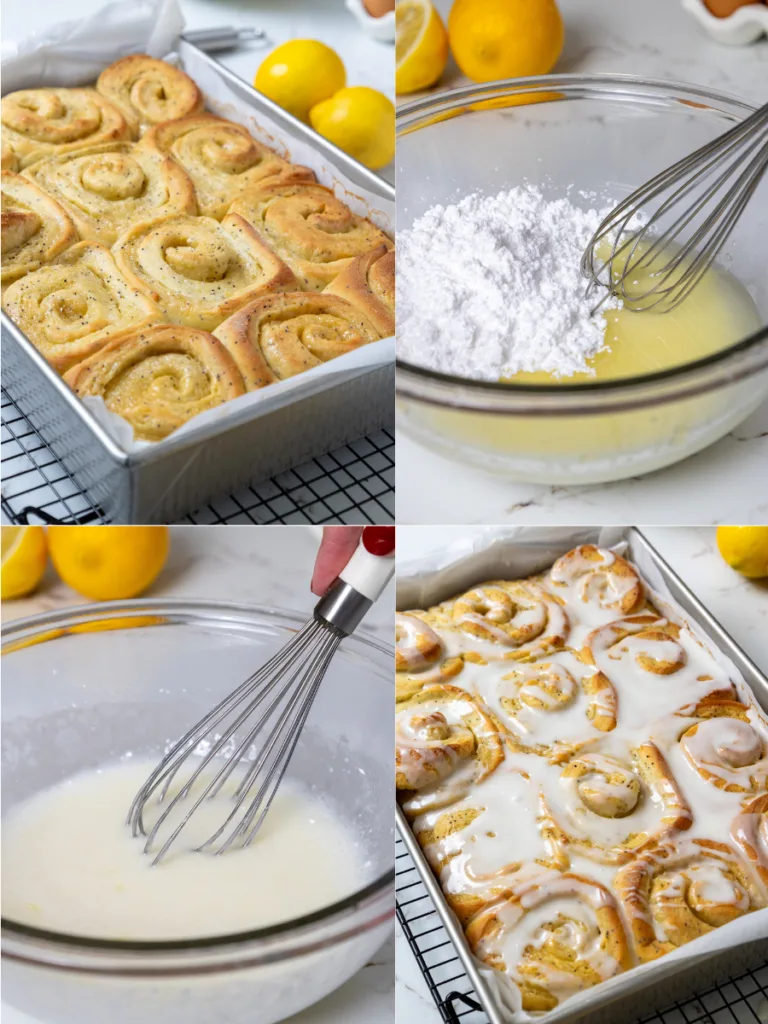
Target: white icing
{"points": [[541, 704]]}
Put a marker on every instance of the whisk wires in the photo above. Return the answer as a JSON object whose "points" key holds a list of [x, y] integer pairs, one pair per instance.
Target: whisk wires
{"points": [[280, 694], [705, 192]]}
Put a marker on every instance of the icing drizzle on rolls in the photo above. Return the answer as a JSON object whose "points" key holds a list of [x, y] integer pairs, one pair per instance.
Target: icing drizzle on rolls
{"points": [[627, 758]]}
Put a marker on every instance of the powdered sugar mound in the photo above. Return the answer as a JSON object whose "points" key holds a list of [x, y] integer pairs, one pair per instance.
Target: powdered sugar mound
{"points": [[491, 286]]}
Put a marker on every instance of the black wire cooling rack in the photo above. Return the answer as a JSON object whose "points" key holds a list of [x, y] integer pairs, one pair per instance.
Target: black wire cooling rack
{"points": [[353, 484], [738, 1001]]}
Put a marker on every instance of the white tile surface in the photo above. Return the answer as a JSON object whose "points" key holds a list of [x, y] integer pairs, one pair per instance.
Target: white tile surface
{"points": [[727, 482], [266, 565], [740, 605]]}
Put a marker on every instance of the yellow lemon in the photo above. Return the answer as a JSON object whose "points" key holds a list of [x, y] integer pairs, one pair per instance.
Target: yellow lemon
{"points": [[745, 549], [421, 45], [299, 74], [25, 554], [359, 120], [108, 563], [493, 39]]}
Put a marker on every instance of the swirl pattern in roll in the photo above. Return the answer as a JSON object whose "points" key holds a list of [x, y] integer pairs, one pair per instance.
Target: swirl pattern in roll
{"points": [[678, 891], [74, 305], [158, 378], [556, 934], [368, 282], [199, 271], [147, 91], [310, 229], [278, 336], [38, 123], [35, 228], [108, 188], [222, 159], [420, 656], [626, 812]]}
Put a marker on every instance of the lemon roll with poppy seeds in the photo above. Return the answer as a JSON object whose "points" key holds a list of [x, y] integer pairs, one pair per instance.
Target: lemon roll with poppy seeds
{"points": [[420, 656], [72, 306], [315, 233], [681, 889], [39, 123], [108, 188], [221, 157], [148, 91], [35, 228]]}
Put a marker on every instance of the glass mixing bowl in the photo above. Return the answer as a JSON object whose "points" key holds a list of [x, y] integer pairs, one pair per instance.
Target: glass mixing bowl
{"points": [[84, 687], [604, 134]]}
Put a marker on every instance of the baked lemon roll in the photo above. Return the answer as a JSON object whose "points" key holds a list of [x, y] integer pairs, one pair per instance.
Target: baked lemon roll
{"points": [[729, 747], [221, 157], [609, 808], [436, 731], [518, 616], [420, 656], [8, 158], [35, 228], [556, 934], [749, 831], [309, 228], [281, 335], [199, 270], [74, 305], [368, 282], [47, 122], [679, 890], [107, 188], [158, 378], [147, 91], [602, 581]]}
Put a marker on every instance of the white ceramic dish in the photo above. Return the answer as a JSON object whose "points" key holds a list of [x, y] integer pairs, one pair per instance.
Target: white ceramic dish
{"points": [[741, 28]]}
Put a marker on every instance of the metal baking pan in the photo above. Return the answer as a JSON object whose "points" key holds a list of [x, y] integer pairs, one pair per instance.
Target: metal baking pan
{"points": [[163, 482], [650, 994]]}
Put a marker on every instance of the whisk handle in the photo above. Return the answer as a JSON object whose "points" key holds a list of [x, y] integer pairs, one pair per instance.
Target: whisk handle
{"points": [[366, 574]]}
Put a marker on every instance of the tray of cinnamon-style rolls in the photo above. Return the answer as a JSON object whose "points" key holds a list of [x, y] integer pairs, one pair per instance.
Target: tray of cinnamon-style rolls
{"points": [[582, 774], [197, 289]]}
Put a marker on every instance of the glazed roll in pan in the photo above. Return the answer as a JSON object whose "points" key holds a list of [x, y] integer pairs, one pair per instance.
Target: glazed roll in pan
{"points": [[126, 207], [586, 779]]}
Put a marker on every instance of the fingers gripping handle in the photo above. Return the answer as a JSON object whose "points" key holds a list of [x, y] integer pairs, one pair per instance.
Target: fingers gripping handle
{"points": [[364, 577]]}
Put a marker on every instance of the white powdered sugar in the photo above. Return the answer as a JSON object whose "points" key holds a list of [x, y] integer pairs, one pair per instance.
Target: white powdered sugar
{"points": [[492, 285]]}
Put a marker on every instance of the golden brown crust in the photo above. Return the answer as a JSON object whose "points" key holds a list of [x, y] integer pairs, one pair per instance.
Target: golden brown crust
{"points": [[368, 282], [279, 336], [35, 228], [197, 269], [222, 159], [74, 305], [664, 904], [108, 188], [310, 229], [148, 91], [158, 378], [38, 123]]}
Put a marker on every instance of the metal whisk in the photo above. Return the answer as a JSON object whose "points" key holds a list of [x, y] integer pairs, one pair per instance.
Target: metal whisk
{"points": [[706, 193], [274, 702]]}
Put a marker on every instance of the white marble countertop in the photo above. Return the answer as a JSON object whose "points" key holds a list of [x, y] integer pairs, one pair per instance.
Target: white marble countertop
{"points": [[740, 605], [658, 39], [265, 565]]}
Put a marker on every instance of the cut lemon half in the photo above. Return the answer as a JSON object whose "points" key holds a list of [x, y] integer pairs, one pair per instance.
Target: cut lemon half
{"points": [[421, 45], [24, 557]]}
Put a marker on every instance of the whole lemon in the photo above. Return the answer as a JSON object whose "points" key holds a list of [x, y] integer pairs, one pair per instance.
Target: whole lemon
{"points": [[108, 563], [359, 120], [421, 45], [745, 549], [25, 556], [299, 74], [493, 39]]}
